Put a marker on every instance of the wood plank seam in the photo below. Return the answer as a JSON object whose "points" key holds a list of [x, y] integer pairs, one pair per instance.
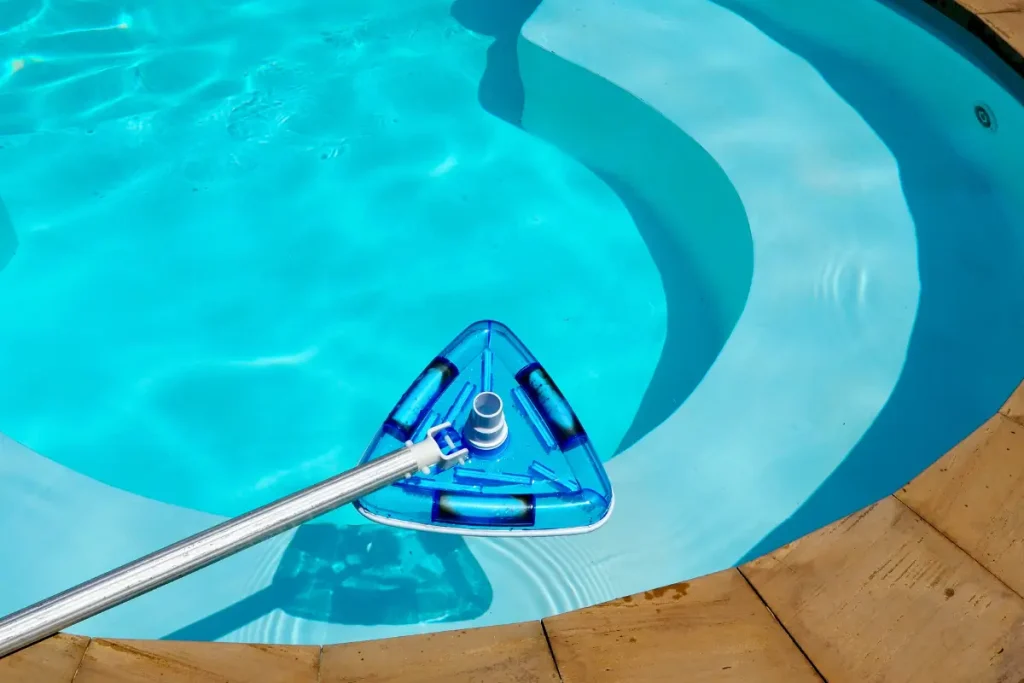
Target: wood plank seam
{"points": [[957, 545], [551, 649], [320, 664], [796, 643], [80, 660], [914, 512], [879, 596]]}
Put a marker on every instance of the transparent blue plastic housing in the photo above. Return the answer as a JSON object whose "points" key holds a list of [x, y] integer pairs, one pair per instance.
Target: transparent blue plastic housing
{"points": [[544, 479]]}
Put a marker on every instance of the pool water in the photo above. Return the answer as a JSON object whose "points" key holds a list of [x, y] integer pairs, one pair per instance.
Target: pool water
{"points": [[768, 251], [244, 230]]}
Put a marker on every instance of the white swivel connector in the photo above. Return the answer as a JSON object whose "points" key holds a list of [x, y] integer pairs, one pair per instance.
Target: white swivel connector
{"points": [[486, 428]]}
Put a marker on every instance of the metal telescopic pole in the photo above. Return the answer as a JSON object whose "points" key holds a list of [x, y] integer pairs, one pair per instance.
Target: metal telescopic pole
{"points": [[54, 614]]}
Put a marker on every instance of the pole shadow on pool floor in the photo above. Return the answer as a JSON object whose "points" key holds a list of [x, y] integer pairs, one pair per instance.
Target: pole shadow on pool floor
{"points": [[362, 575], [963, 356]]}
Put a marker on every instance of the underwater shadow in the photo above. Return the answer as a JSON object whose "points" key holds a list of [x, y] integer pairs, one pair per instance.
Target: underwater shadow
{"points": [[8, 238], [686, 354], [363, 575], [501, 91], [969, 264]]}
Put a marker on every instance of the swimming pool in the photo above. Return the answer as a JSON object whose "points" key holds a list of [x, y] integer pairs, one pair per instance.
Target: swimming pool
{"points": [[747, 268]]}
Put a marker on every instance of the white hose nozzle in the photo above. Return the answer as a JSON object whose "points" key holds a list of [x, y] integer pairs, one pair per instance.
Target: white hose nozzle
{"points": [[486, 428]]}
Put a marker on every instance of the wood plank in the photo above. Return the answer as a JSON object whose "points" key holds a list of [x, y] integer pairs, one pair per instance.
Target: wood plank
{"points": [[497, 654], [1009, 25], [712, 629], [53, 660], [1014, 406], [975, 496], [987, 6], [882, 596], [148, 661]]}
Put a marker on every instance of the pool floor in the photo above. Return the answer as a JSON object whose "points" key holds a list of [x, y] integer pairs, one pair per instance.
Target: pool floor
{"points": [[242, 233]]}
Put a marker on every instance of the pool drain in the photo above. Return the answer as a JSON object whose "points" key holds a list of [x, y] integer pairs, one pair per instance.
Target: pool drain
{"points": [[985, 117]]}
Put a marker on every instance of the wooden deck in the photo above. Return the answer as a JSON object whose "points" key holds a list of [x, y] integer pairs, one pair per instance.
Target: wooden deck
{"points": [[924, 586]]}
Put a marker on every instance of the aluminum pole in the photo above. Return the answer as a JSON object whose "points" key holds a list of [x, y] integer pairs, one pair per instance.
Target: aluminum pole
{"points": [[45, 618]]}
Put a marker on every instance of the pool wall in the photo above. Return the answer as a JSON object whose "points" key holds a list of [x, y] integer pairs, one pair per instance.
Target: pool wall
{"points": [[907, 43]]}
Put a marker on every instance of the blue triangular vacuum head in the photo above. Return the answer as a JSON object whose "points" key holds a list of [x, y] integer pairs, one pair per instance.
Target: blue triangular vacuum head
{"points": [[529, 468]]}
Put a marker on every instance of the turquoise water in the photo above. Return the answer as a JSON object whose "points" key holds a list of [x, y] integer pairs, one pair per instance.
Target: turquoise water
{"points": [[766, 250], [244, 230]]}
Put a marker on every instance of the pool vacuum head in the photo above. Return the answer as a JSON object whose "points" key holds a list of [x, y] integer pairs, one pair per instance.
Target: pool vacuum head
{"points": [[517, 461]]}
